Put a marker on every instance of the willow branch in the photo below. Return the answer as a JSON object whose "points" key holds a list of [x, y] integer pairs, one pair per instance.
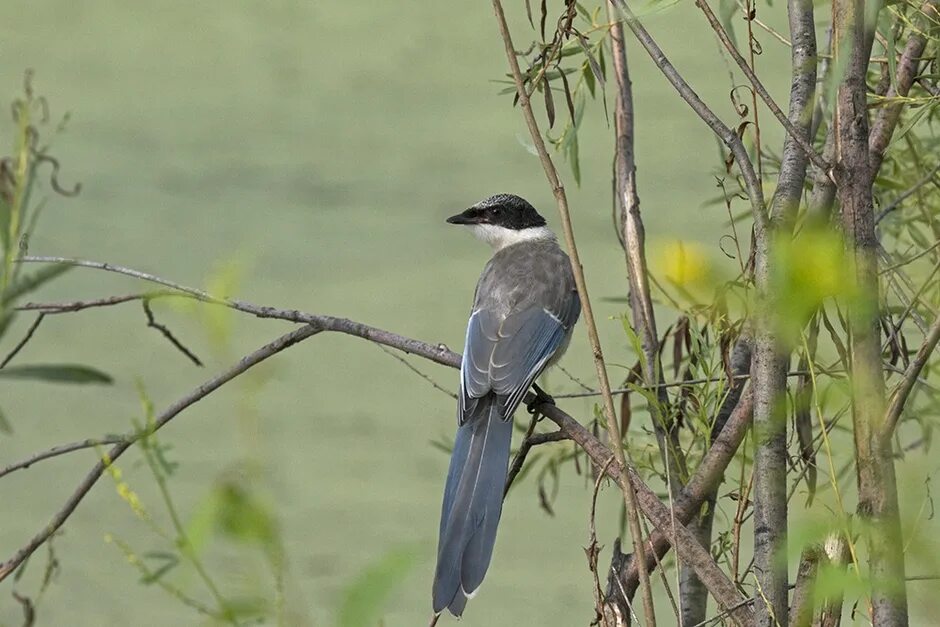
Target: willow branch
{"points": [[61, 449]]}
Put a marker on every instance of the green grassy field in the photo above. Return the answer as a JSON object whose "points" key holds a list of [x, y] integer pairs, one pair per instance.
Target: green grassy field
{"points": [[320, 146]]}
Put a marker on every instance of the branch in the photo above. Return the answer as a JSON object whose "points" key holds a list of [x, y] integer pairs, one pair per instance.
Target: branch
{"points": [[801, 610], [165, 332], [61, 449], [633, 237], [24, 341], [263, 353], [855, 173], [587, 313], [439, 354], [793, 162]]}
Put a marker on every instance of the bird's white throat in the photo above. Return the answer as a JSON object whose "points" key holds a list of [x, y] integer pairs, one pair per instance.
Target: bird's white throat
{"points": [[499, 237]]}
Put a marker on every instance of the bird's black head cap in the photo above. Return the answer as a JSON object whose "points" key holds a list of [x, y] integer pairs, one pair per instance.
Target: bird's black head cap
{"points": [[506, 210]]}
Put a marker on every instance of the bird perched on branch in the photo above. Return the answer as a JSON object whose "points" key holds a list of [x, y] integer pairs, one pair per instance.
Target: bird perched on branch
{"points": [[524, 310]]}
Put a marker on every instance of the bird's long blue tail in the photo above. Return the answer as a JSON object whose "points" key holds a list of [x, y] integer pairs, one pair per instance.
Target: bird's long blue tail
{"points": [[473, 500]]}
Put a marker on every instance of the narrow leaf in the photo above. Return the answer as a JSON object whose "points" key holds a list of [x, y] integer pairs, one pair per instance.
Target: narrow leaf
{"points": [[543, 18], [568, 97], [57, 373], [549, 103]]}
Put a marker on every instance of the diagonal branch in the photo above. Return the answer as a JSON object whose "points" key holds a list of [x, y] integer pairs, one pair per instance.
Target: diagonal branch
{"points": [[59, 518]]}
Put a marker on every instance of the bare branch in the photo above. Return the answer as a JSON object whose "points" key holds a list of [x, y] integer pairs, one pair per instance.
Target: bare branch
{"points": [[531, 439], [793, 162], [24, 341], [61, 449], [633, 237], [153, 324], [79, 305], [854, 173], [801, 611]]}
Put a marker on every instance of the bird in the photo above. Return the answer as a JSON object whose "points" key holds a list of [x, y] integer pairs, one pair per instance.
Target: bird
{"points": [[524, 310]]}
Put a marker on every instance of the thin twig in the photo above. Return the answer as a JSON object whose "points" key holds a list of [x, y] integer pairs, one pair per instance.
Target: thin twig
{"points": [[407, 364], [61, 449], [153, 324], [894, 204], [79, 305], [24, 341], [530, 440]]}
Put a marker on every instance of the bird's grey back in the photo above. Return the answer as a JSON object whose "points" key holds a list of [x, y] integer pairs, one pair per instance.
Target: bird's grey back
{"points": [[534, 272]]}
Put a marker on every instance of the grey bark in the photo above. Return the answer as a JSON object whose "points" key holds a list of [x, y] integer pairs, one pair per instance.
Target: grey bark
{"points": [[855, 171]]}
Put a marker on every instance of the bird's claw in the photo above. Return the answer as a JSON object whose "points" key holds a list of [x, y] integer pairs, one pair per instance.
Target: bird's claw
{"points": [[541, 398]]}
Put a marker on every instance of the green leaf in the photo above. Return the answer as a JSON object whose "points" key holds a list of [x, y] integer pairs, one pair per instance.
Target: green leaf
{"points": [[30, 282], [57, 373], [365, 597]]}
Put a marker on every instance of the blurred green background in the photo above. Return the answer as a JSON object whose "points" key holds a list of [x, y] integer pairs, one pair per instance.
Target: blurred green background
{"points": [[316, 148]]}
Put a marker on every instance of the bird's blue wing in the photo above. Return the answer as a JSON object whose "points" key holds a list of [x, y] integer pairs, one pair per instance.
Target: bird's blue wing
{"points": [[504, 355]]}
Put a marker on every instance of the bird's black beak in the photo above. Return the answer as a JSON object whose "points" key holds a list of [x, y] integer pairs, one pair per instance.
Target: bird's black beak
{"points": [[470, 216]]}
